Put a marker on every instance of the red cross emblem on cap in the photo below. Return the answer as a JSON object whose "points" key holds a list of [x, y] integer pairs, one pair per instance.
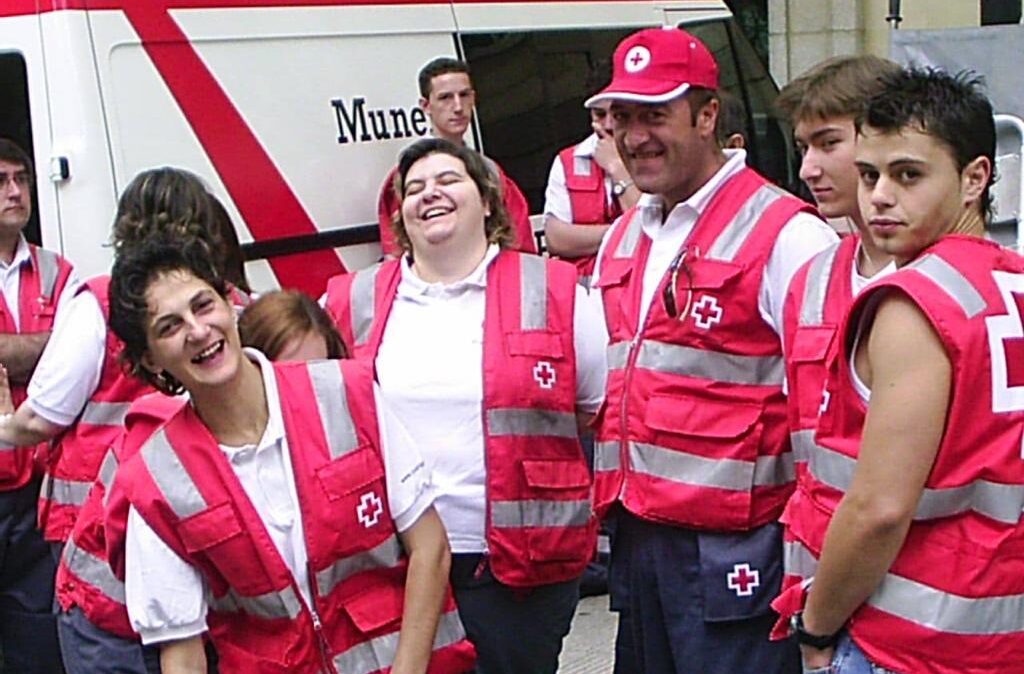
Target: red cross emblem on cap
{"points": [[743, 580], [637, 59]]}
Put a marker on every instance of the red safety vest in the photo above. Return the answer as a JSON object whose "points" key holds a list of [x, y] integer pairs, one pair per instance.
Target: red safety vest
{"points": [[182, 485], [515, 204], [540, 526], [42, 281], [952, 600], [84, 576], [588, 199], [73, 467], [693, 430]]}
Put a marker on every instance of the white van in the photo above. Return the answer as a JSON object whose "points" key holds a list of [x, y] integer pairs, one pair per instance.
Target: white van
{"points": [[294, 111]]}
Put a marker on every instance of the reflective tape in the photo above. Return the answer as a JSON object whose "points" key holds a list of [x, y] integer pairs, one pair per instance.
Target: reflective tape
{"points": [[955, 284], [1001, 502], [617, 355], [108, 469], [802, 442], [525, 421], [66, 492], [49, 270], [533, 292], [378, 654], [731, 239], [385, 555], [798, 560], [332, 403], [275, 604], [819, 275], [104, 413], [90, 569], [170, 476], [627, 244], [537, 513], [702, 364], [362, 297], [606, 455], [679, 466], [774, 470]]}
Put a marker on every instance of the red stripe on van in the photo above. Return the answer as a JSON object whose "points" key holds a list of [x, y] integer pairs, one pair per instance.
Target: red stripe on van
{"points": [[257, 187]]}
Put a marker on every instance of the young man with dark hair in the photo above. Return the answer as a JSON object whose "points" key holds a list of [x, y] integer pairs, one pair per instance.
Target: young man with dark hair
{"points": [[34, 283], [911, 526], [692, 454], [448, 98]]}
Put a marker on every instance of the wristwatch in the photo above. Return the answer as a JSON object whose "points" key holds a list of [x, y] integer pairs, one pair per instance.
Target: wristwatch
{"points": [[619, 187], [805, 638]]}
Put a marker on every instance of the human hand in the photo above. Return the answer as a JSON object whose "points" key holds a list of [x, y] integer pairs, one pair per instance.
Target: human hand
{"points": [[816, 660], [6, 402], [607, 155]]}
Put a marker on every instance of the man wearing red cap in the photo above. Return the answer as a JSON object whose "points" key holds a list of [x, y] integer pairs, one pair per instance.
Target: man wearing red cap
{"points": [[692, 454]]}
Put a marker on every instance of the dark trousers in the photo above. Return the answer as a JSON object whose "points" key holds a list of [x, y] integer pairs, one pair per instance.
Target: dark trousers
{"points": [[88, 649], [514, 631], [683, 616], [28, 631]]}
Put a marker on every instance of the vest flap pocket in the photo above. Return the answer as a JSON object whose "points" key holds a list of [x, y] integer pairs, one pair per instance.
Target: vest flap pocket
{"points": [[209, 527], [614, 273], [377, 607], [811, 344], [534, 343], [707, 419], [556, 474], [709, 274], [355, 470]]}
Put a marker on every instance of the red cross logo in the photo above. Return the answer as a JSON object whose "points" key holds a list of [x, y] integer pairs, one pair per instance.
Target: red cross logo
{"points": [[369, 509], [544, 374], [743, 580], [637, 59], [707, 312], [1006, 344]]}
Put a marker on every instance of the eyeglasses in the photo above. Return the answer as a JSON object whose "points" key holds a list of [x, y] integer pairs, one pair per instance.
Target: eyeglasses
{"points": [[669, 294], [19, 178]]}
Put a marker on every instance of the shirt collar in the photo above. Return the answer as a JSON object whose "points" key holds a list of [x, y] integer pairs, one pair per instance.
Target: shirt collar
{"points": [[274, 432], [22, 255], [412, 285], [735, 161], [586, 147]]}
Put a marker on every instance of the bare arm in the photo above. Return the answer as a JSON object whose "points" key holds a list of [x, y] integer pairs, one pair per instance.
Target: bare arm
{"points": [[186, 656], [25, 428], [910, 378], [566, 239], [429, 562], [20, 353]]}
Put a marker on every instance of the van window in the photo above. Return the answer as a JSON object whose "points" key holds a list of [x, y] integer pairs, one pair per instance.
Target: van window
{"points": [[15, 121]]}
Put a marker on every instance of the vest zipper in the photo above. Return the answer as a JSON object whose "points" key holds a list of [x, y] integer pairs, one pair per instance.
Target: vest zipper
{"points": [[318, 627]]}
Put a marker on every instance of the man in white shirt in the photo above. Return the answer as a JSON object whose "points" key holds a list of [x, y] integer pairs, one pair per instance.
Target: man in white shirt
{"points": [[692, 453]]}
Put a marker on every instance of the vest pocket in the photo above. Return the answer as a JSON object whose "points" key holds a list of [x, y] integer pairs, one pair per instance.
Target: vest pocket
{"points": [[810, 357], [353, 471], [209, 527], [715, 420], [542, 343], [556, 475], [377, 607]]}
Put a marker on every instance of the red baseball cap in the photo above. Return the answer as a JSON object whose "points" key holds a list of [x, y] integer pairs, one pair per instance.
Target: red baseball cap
{"points": [[656, 65]]}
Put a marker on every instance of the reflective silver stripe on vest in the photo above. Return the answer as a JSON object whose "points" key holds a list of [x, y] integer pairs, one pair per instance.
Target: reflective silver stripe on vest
{"points": [[94, 571], [65, 492], [627, 244], [378, 653], [362, 295], [952, 281], [104, 413], [606, 455], [722, 367], [170, 476], [676, 466], [774, 471], [537, 513], [797, 560], [49, 270], [338, 428], [516, 421], [386, 555], [948, 612], [819, 274], [108, 469], [802, 442], [728, 243], [274, 604], [533, 289], [617, 355], [1001, 502]]}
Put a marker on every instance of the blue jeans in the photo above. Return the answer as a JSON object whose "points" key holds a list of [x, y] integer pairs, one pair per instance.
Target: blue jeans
{"points": [[848, 659]]}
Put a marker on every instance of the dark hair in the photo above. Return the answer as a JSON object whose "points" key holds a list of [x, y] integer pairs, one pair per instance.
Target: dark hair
{"points": [[698, 97], [232, 260], [12, 153], [836, 87], [134, 271], [496, 225], [442, 65], [732, 117], [950, 108], [276, 318], [164, 200]]}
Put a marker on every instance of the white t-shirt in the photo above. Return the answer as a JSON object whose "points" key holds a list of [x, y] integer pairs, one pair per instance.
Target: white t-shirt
{"points": [[798, 241], [429, 366], [10, 281], [556, 196], [166, 596]]}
